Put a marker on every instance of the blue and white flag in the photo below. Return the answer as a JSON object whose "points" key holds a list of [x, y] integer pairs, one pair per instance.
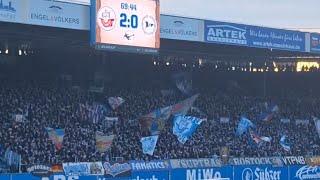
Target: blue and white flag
{"points": [[115, 102], [185, 126], [149, 144], [285, 145], [243, 126]]}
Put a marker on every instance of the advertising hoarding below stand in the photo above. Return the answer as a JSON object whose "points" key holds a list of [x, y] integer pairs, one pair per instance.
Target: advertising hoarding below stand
{"points": [[179, 28]]}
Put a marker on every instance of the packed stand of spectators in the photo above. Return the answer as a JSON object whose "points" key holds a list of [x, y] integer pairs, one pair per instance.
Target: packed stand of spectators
{"points": [[51, 104]]}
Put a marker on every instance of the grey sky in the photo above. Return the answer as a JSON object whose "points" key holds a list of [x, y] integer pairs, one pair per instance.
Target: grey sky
{"points": [[288, 14], [285, 14]]}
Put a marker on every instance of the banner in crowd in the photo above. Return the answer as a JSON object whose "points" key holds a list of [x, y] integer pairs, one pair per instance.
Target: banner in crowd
{"points": [[115, 102], [195, 163], [253, 36], [313, 161], [224, 120], [155, 165], [179, 28], [112, 119], [19, 118], [317, 124], [117, 170], [149, 144], [261, 172], [56, 136], [103, 142], [315, 42], [257, 161], [243, 126], [83, 168], [222, 173], [184, 127]]}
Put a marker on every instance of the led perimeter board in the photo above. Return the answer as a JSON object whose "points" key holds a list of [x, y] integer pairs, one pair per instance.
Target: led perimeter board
{"points": [[125, 25]]}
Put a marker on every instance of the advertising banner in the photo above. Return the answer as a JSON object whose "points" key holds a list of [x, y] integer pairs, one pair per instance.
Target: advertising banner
{"points": [[181, 28], [222, 173], [57, 14], [315, 42], [262, 172], [12, 11], [158, 165], [262, 37], [45, 13], [150, 175], [226, 33], [304, 172], [253, 36]]}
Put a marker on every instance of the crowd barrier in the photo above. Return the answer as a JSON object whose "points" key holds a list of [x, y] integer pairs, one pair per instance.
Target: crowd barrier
{"points": [[275, 168]]}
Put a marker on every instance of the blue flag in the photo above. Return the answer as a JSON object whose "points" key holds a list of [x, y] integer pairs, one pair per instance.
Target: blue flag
{"points": [[149, 144], [285, 145], [243, 126], [185, 126]]}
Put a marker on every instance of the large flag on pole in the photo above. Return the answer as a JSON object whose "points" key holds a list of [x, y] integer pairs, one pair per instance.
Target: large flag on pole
{"points": [[243, 126], [269, 112], [103, 142], [12, 158], [156, 120], [259, 139], [317, 124], [183, 82], [185, 126], [56, 136], [285, 145], [149, 144], [115, 102]]}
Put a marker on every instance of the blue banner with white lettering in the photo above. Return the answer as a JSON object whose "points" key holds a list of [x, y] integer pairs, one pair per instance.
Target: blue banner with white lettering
{"points": [[156, 165], [151, 175], [262, 37], [223, 173], [304, 172], [262, 172], [315, 42], [226, 33], [253, 36]]}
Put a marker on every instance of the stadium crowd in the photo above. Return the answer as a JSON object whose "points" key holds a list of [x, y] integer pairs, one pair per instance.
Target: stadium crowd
{"points": [[53, 104]]}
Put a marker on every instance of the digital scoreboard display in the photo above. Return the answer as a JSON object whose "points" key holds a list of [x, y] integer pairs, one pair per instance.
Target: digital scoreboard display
{"points": [[126, 25]]}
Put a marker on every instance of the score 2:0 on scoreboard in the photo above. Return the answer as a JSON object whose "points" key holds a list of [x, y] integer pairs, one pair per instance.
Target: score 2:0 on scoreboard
{"points": [[126, 25]]}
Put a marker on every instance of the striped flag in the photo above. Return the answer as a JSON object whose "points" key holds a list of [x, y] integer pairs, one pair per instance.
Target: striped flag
{"points": [[103, 142], [56, 136]]}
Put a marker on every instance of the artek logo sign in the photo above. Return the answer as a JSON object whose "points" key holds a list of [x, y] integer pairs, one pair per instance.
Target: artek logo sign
{"points": [[226, 34], [260, 174]]}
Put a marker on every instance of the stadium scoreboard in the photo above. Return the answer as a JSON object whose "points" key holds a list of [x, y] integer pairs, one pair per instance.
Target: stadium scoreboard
{"points": [[125, 25]]}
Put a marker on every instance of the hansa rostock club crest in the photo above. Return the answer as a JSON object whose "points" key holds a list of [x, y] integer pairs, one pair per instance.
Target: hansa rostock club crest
{"points": [[106, 18]]}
